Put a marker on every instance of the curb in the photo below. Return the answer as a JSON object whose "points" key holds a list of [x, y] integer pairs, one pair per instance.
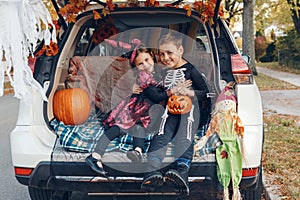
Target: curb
{"points": [[272, 191]]}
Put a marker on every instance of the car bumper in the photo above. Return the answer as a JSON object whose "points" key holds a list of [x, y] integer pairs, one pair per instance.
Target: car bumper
{"points": [[77, 176]]}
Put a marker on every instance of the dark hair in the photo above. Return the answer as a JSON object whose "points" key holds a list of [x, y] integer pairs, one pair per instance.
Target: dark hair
{"points": [[139, 50], [143, 49]]}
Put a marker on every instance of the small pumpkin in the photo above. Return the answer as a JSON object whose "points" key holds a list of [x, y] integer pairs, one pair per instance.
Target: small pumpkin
{"points": [[71, 106], [179, 104]]}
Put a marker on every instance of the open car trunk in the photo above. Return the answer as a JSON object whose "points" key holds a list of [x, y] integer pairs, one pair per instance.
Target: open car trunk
{"points": [[108, 78]]}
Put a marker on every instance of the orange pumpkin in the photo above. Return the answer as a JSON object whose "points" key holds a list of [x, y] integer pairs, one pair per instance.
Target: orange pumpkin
{"points": [[179, 104], [71, 106]]}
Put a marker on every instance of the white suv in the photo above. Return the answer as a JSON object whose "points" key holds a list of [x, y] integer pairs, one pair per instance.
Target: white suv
{"points": [[54, 169]]}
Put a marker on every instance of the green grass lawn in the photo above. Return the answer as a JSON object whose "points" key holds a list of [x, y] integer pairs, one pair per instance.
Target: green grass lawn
{"points": [[281, 152]]}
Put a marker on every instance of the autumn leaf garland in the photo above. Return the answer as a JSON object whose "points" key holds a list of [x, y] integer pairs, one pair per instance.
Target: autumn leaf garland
{"points": [[204, 8], [74, 7]]}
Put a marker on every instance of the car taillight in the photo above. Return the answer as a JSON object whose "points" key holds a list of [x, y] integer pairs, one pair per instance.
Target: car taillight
{"points": [[23, 171], [241, 70], [249, 172]]}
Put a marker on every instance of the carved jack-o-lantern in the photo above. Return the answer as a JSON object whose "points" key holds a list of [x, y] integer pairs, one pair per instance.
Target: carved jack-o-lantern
{"points": [[179, 104]]}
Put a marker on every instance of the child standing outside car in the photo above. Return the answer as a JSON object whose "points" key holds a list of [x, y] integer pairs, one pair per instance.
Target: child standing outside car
{"points": [[132, 112], [176, 125]]}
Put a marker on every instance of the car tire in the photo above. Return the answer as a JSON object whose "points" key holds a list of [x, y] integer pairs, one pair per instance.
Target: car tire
{"points": [[254, 193], [43, 194]]}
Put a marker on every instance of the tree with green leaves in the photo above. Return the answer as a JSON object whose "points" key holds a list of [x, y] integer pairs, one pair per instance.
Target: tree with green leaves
{"points": [[275, 13], [234, 9]]}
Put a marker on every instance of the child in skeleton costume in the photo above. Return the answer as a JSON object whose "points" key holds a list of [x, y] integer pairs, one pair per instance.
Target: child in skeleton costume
{"points": [[227, 124], [176, 125]]}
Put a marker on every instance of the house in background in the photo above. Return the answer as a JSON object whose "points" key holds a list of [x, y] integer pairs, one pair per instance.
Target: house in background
{"points": [[277, 31], [237, 32]]}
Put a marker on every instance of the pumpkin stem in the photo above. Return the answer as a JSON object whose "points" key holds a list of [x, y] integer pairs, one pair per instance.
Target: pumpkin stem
{"points": [[67, 85]]}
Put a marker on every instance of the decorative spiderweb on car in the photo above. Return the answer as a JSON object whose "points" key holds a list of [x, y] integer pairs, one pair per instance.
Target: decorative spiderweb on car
{"points": [[20, 32]]}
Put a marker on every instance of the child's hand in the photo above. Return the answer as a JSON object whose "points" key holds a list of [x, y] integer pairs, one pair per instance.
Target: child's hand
{"points": [[185, 91], [184, 84], [136, 89], [182, 88]]}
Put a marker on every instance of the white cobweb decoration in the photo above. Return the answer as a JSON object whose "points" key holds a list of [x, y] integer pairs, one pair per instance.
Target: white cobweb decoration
{"points": [[20, 22]]}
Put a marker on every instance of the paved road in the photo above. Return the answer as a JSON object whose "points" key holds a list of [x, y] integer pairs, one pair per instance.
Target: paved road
{"points": [[284, 76], [281, 101], [9, 187]]}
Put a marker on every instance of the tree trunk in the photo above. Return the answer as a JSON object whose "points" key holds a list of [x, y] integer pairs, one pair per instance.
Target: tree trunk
{"points": [[295, 9], [248, 32]]}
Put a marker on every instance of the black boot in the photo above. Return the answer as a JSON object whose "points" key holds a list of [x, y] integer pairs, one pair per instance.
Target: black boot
{"points": [[153, 179], [178, 178]]}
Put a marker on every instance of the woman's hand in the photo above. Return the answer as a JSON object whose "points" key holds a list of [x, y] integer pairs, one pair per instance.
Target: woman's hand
{"points": [[136, 89]]}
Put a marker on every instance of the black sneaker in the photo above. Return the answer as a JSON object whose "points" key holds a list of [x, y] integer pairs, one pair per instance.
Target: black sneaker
{"points": [[153, 179], [178, 178]]}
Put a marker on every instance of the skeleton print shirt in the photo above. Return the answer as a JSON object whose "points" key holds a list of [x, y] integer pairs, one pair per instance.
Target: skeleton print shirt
{"points": [[187, 72], [199, 85]]}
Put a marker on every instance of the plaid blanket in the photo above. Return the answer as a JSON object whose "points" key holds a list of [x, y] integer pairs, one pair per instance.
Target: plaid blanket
{"points": [[207, 145], [84, 137], [79, 138]]}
